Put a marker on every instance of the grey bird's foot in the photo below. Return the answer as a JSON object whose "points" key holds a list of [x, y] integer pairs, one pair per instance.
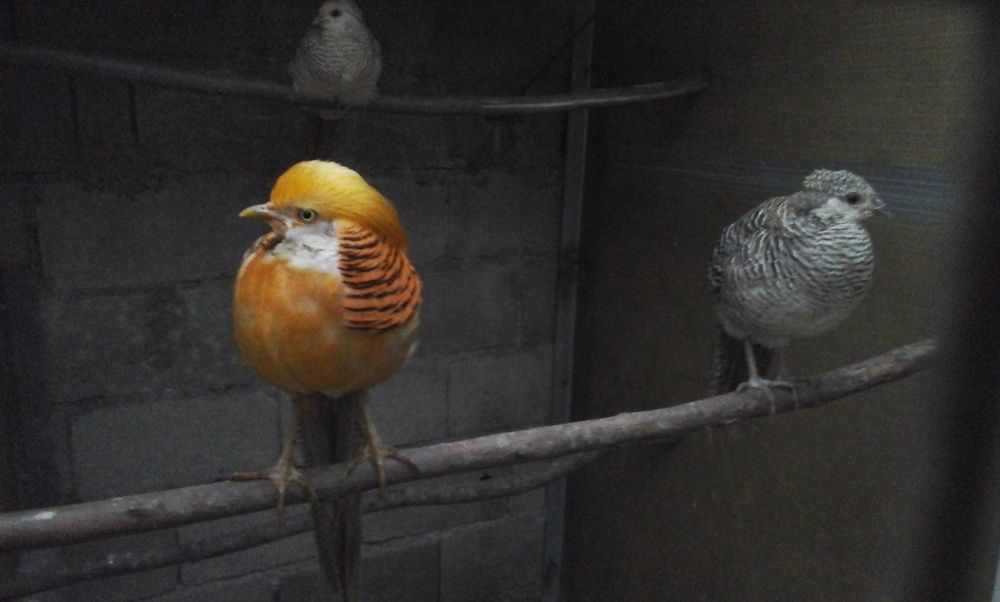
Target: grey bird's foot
{"points": [[767, 386]]}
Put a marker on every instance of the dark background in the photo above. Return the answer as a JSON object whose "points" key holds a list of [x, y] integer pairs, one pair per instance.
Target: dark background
{"points": [[849, 502], [120, 241]]}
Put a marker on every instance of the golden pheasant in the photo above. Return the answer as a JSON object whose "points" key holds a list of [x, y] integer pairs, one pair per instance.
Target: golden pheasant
{"points": [[327, 301]]}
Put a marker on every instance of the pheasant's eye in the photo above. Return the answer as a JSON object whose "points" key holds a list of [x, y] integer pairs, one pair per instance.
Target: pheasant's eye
{"points": [[852, 198], [335, 13], [307, 215]]}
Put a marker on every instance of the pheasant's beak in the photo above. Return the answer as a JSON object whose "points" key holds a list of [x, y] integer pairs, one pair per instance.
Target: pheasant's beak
{"points": [[266, 213]]}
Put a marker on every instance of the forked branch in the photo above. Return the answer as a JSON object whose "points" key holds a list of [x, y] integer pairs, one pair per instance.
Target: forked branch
{"points": [[171, 508]]}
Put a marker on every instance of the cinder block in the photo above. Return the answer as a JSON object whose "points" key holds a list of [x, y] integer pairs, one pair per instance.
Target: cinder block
{"points": [[147, 343], [412, 406], [172, 443], [537, 284], [282, 26], [15, 242], [385, 141], [530, 503], [127, 587], [107, 157], [284, 551], [468, 310], [402, 571], [199, 132], [212, 29], [500, 393], [498, 214], [493, 561], [184, 230], [103, 114], [422, 201], [414, 520], [36, 121], [300, 586], [248, 589], [6, 20], [532, 141]]}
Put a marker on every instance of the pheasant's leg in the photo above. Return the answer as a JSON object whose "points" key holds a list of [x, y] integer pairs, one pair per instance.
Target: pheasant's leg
{"points": [[755, 381], [374, 450], [283, 472]]}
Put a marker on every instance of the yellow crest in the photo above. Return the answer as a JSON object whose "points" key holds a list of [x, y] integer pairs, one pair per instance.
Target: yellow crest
{"points": [[338, 192]]}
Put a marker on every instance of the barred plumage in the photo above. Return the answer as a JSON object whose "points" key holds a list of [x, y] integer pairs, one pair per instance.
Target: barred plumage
{"points": [[338, 58], [794, 266], [382, 289]]}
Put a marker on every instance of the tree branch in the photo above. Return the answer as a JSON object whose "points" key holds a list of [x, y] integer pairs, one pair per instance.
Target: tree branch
{"points": [[174, 553], [172, 508], [225, 84]]}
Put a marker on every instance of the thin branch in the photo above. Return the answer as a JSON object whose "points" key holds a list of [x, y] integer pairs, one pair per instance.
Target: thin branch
{"points": [[175, 553], [481, 490], [175, 507], [219, 83]]}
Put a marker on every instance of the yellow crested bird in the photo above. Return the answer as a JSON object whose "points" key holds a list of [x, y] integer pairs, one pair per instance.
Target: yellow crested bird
{"points": [[327, 302]]}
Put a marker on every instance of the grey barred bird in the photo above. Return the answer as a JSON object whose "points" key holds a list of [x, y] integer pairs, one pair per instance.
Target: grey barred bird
{"points": [[795, 266], [338, 58]]}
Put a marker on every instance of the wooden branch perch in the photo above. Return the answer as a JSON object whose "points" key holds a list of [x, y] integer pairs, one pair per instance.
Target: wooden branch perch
{"points": [[217, 83], [173, 553], [162, 509]]}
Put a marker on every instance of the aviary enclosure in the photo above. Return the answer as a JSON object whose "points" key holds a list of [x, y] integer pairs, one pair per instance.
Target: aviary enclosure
{"points": [[563, 171]]}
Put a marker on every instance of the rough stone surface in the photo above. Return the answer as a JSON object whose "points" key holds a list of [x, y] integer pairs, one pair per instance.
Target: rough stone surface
{"points": [[224, 133], [151, 342], [405, 570], [536, 285], [500, 213], [126, 587], [402, 571], [467, 310], [421, 197], [15, 242], [411, 520], [171, 443], [493, 561], [253, 589], [93, 239], [498, 393], [412, 406], [292, 549], [34, 136]]}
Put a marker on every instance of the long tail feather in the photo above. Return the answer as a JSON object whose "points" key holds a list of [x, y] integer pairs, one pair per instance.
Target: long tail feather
{"points": [[329, 434]]}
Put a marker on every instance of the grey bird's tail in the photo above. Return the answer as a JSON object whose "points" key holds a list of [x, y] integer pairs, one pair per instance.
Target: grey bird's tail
{"points": [[729, 363]]}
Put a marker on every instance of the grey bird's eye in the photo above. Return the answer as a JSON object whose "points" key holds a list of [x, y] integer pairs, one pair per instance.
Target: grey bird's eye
{"points": [[852, 198], [335, 13], [307, 215]]}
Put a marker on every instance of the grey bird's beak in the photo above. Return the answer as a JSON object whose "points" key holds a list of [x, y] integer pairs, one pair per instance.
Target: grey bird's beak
{"points": [[881, 207]]}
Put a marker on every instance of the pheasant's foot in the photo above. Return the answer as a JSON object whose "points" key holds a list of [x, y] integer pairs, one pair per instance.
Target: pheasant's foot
{"points": [[376, 452], [281, 474], [767, 386]]}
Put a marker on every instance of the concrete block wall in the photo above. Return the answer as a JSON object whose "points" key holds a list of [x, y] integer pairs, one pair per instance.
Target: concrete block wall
{"points": [[118, 205]]}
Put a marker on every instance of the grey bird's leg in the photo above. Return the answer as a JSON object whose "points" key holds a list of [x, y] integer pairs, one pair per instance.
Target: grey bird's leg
{"points": [[756, 382]]}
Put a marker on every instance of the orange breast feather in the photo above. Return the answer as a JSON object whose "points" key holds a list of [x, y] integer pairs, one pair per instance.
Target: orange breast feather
{"points": [[305, 330]]}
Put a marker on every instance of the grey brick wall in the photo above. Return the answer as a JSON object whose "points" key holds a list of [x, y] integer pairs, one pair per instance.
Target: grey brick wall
{"points": [[120, 242]]}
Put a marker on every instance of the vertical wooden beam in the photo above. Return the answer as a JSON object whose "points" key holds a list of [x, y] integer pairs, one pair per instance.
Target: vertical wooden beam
{"points": [[567, 287]]}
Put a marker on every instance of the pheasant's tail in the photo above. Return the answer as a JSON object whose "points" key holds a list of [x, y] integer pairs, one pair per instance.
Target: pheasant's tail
{"points": [[329, 434], [729, 362]]}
